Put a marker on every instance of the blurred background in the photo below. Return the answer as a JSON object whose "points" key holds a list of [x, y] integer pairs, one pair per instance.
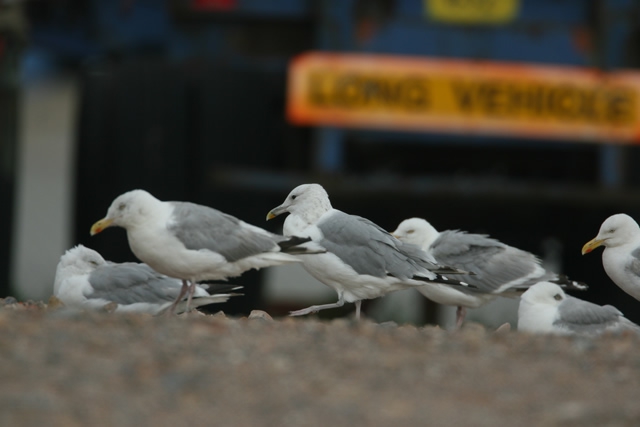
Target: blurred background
{"points": [[187, 99]]}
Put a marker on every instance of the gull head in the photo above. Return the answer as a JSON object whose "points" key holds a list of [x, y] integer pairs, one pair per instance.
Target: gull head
{"points": [[77, 261], [82, 258], [545, 293], [617, 230], [127, 210], [303, 200], [416, 231], [539, 306]]}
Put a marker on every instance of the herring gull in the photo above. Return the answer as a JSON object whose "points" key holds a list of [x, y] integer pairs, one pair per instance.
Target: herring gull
{"points": [[194, 243], [84, 279], [545, 308], [500, 269], [620, 235], [363, 261]]}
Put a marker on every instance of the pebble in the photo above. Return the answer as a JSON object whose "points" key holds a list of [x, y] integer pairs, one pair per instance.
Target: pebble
{"points": [[259, 314], [8, 301], [54, 302]]}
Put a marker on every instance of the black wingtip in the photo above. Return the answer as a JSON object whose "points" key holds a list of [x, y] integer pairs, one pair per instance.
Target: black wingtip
{"points": [[212, 287], [569, 285], [446, 280], [291, 242], [445, 269], [293, 246]]}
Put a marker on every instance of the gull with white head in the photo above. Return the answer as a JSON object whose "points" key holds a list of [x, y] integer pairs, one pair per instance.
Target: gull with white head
{"points": [[620, 236], [363, 261], [500, 269], [84, 279], [545, 308], [193, 242]]}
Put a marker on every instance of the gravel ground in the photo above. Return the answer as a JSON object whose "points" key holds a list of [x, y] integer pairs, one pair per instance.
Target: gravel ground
{"points": [[70, 368]]}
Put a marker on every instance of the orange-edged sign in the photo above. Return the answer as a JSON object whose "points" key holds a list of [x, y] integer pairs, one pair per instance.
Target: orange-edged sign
{"points": [[470, 97]]}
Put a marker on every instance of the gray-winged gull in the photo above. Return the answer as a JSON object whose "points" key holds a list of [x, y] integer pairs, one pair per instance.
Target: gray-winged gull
{"points": [[500, 269], [620, 235], [545, 308], [194, 242], [363, 261], [84, 279]]}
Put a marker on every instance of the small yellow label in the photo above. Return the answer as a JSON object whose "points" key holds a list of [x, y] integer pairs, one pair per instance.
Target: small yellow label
{"points": [[472, 11]]}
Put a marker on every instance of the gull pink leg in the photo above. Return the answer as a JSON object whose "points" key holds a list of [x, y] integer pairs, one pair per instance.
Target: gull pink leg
{"points": [[192, 290], [358, 303], [316, 308], [461, 312], [183, 291]]}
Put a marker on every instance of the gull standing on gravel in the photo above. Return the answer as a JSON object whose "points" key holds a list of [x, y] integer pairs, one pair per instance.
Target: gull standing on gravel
{"points": [[545, 308], [500, 269], [195, 243], [620, 235], [363, 261], [84, 279]]}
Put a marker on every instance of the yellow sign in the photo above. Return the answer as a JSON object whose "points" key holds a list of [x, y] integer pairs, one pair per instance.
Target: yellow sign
{"points": [[471, 97], [472, 11]]}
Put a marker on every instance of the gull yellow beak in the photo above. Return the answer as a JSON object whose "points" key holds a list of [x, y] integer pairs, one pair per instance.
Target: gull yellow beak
{"points": [[276, 211], [100, 225], [591, 245]]}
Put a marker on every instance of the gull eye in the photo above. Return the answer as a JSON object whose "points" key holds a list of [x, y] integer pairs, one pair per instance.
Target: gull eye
{"points": [[557, 297], [293, 197], [121, 206], [410, 231], [611, 230]]}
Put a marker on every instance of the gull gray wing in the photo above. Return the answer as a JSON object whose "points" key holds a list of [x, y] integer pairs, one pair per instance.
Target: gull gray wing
{"points": [[584, 317], [413, 253], [130, 283], [368, 248], [201, 227], [633, 267], [494, 263]]}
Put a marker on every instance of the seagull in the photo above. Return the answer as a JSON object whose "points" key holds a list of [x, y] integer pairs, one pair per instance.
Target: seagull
{"points": [[500, 269], [363, 261], [545, 308], [620, 235], [84, 279], [195, 243]]}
